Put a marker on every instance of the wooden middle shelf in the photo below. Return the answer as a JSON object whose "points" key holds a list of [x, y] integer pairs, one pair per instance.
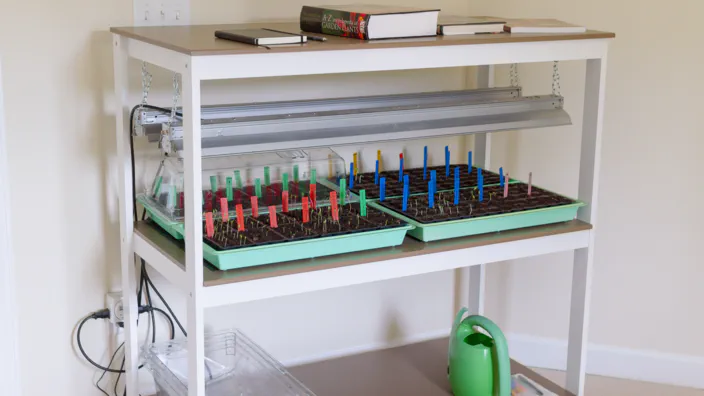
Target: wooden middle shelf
{"points": [[412, 370], [173, 250]]}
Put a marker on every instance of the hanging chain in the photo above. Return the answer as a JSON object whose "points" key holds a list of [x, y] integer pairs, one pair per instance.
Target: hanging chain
{"points": [[146, 83], [165, 141], [176, 96], [556, 79], [515, 78]]}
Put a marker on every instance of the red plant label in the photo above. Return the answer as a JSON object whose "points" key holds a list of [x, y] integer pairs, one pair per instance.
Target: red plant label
{"points": [[284, 201], [255, 206], [272, 217], [224, 210], [333, 203], [306, 217], [240, 217], [209, 225], [313, 188]]}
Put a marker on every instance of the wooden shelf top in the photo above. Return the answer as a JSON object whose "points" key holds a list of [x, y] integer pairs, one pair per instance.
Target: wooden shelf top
{"points": [[411, 370], [198, 40], [410, 247]]}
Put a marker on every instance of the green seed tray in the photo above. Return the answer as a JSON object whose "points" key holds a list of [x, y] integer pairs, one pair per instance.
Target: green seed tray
{"points": [[286, 251], [428, 232]]}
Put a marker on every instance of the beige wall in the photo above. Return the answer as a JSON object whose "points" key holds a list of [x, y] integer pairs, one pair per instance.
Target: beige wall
{"points": [[58, 80], [647, 269]]}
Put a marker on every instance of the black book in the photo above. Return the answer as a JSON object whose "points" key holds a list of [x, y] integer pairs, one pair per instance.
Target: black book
{"points": [[260, 36]]}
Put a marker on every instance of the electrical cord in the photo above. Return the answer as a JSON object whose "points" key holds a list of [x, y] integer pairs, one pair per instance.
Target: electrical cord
{"points": [[149, 303], [102, 314], [172, 329], [117, 381], [112, 359], [168, 307]]}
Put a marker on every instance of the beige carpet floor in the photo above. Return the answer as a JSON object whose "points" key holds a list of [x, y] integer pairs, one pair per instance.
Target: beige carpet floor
{"points": [[606, 386]]}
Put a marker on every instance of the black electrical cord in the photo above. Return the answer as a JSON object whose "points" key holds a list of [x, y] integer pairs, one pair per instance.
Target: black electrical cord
{"points": [[168, 307], [80, 345], [112, 359], [102, 314], [151, 306], [172, 333], [117, 381]]}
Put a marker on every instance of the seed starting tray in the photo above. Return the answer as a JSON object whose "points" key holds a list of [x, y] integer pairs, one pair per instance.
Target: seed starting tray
{"points": [[419, 183], [472, 217], [261, 244]]}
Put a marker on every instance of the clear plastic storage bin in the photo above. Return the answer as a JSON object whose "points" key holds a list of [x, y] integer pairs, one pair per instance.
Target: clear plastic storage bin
{"points": [[234, 366]]}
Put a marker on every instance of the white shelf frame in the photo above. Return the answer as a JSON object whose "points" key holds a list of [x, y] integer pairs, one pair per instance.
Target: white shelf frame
{"points": [[195, 69]]}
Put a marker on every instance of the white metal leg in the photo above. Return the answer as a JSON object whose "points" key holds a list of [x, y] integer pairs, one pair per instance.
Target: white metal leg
{"points": [[194, 230], [588, 191], [126, 225], [482, 155]]}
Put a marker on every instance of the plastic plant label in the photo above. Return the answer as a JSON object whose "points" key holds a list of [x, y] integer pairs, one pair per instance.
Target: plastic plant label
{"points": [[208, 201], [333, 202], [224, 210], [209, 225], [229, 188], [255, 206], [238, 179], [306, 215], [240, 217], [313, 196], [267, 176], [284, 201], [363, 203], [355, 169], [272, 217]]}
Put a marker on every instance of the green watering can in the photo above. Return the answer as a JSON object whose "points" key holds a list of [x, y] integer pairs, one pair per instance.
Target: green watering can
{"points": [[477, 361]]}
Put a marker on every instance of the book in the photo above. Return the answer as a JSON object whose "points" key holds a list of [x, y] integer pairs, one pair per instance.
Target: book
{"points": [[260, 36], [450, 25], [370, 22], [542, 26]]}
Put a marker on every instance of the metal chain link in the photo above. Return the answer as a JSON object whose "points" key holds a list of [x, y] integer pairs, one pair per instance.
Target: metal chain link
{"points": [[515, 77], [556, 90], [165, 141], [146, 83], [176, 96]]}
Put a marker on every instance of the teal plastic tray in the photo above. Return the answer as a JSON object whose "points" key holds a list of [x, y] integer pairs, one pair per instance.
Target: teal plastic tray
{"points": [[482, 225], [287, 251]]}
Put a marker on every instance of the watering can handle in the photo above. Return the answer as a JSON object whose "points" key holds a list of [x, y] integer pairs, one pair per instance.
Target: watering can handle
{"points": [[455, 325]]}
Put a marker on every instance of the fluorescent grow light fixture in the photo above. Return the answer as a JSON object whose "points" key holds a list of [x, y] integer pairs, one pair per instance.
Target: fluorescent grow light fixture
{"points": [[315, 123]]}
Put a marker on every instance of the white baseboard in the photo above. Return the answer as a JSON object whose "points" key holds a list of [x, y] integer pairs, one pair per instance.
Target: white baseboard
{"points": [[611, 361], [549, 353]]}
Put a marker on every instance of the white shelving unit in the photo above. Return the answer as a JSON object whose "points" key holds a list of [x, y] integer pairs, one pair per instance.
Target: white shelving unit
{"points": [[193, 52]]}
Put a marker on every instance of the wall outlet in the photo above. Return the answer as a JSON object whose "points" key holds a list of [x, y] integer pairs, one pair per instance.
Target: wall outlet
{"points": [[161, 12], [113, 302]]}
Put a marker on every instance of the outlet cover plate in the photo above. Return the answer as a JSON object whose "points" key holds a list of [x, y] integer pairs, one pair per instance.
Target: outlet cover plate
{"points": [[113, 302], [161, 12]]}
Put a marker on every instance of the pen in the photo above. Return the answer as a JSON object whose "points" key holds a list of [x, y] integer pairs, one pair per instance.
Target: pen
{"points": [[313, 38]]}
